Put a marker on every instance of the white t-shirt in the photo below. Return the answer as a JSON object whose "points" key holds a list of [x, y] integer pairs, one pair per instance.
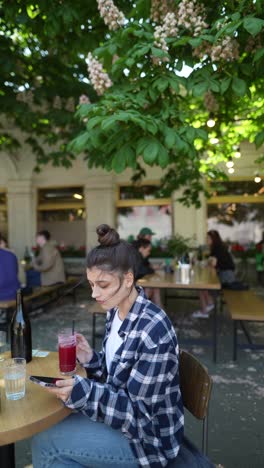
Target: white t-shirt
{"points": [[113, 341]]}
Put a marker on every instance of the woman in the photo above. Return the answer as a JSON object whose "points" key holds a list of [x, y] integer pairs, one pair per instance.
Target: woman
{"points": [[133, 415], [9, 282], [221, 260], [145, 268]]}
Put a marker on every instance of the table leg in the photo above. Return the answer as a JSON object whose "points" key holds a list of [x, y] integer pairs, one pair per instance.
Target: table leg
{"points": [[234, 340], [215, 330], [245, 330], [93, 330], [7, 456]]}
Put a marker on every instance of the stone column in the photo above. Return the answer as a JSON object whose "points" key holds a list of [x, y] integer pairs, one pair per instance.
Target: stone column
{"points": [[100, 206], [22, 215], [190, 221]]}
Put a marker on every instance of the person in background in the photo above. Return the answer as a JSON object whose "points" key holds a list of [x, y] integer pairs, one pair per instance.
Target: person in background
{"points": [[9, 282], [143, 246], [48, 262], [222, 261], [260, 261], [145, 233]]}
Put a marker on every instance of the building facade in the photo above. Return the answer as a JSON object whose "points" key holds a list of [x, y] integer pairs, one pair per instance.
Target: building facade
{"points": [[72, 202]]}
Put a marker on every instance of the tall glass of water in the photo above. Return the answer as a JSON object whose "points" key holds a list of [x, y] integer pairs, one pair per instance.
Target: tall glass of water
{"points": [[2, 344], [15, 378]]}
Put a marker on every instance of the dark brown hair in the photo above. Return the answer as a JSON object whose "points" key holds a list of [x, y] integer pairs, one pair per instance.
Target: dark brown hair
{"points": [[142, 243], [3, 239], [215, 238], [45, 234], [113, 254]]}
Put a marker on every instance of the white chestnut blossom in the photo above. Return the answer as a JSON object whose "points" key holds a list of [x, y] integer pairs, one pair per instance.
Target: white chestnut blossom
{"points": [[83, 99], [168, 29], [160, 8], [57, 103], [227, 49], [70, 104], [99, 78], [112, 16], [191, 16]]}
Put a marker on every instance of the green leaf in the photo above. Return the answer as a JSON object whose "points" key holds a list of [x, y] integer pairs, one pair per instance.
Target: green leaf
{"points": [[259, 139], [258, 55], [93, 122], [79, 144], [119, 161], [180, 144], [214, 86], [200, 88], [151, 151], [201, 133], [190, 134], [239, 86], [161, 84], [142, 51], [108, 123], [253, 25], [130, 62], [156, 52], [163, 157], [142, 143], [169, 137], [224, 85]]}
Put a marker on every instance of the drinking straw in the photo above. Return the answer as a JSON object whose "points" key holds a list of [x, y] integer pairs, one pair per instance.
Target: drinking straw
{"points": [[73, 326]]}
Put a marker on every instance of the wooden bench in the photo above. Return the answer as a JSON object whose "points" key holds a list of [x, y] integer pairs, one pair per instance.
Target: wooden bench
{"points": [[244, 306], [40, 297]]}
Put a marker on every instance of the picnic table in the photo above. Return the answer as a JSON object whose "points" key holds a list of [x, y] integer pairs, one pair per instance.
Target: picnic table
{"points": [[37, 411], [200, 279]]}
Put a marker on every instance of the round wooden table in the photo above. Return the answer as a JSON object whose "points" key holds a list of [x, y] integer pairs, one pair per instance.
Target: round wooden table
{"points": [[37, 411]]}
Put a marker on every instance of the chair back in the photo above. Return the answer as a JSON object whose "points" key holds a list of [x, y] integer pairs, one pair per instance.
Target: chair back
{"points": [[195, 385]]}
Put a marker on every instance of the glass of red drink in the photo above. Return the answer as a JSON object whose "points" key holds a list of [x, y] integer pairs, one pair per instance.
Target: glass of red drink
{"points": [[67, 352]]}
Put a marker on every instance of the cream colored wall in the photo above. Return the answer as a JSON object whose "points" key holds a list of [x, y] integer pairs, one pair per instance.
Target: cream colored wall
{"points": [[21, 182]]}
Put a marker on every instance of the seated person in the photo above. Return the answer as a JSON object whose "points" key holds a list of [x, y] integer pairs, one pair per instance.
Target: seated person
{"points": [[134, 416], [145, 268], [9, 282], [222, 261], [48, 262], [145, 233]]}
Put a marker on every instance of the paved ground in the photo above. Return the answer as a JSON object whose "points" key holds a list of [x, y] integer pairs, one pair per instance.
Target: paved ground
{"points": [[237, 406]]}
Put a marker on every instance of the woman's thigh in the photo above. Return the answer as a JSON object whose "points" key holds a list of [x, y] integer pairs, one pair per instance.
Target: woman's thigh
{"points": [[77, 441]]}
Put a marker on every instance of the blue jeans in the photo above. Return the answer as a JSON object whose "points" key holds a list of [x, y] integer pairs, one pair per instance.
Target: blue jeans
{"points": [[79, 442]]}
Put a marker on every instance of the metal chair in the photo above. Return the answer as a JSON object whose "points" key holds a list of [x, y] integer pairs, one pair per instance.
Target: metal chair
{"points": [[196, 386]]}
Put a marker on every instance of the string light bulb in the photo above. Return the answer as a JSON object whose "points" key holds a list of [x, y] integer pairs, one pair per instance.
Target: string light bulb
{"points": [[78, 196], [231, 170], [214, 141], [257, 179], [211, 121], [230, 162], [237, 153]]}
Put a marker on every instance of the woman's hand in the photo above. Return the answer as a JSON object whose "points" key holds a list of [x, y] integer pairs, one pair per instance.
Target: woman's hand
{"points": [[84, 351], [63, 389]]}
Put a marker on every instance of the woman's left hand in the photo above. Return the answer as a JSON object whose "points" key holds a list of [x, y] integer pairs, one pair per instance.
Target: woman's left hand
{"points": [[63, 389]]}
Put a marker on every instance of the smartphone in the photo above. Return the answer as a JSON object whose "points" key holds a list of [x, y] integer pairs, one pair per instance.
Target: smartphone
{"points": [[44, 381]]}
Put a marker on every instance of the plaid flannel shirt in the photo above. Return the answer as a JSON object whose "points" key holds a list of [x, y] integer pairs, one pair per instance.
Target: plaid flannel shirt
{"points": [[141, 395]]}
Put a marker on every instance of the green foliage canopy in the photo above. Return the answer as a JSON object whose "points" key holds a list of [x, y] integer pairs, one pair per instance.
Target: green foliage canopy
{"points": [[153, 113]]}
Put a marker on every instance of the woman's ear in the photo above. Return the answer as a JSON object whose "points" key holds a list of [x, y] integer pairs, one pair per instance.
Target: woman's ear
{"points": [[129, 279]]}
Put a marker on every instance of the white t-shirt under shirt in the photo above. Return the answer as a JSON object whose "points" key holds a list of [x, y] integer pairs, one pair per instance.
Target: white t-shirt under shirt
{"points": [[113, 341]]}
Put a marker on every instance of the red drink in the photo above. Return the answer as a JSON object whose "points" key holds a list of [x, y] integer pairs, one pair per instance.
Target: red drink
{"points": [[67, 352]]}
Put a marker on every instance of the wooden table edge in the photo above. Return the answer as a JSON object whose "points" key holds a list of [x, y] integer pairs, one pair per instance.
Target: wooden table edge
{"points": [[17, 434]]}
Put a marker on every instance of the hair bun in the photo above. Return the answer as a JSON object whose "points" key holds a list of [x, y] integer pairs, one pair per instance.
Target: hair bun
{"points": [[107, 236]]}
